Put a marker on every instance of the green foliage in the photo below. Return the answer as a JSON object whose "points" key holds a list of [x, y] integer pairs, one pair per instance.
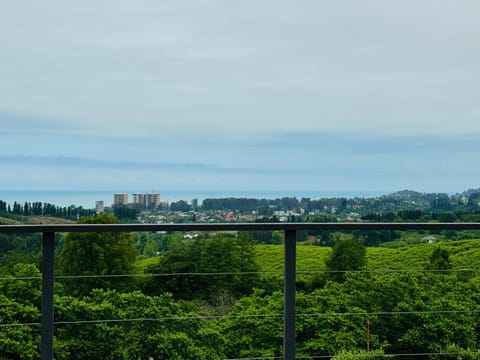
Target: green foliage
{"points": [[409, 310], [20, 292], [180, 205], [462, 354], [18, 245], [347, 255], [23, 211], [142, 327], [267, 237], [18, 342], [21, 283], [431, 312], [148, 244], [124, 212], [217, 255], [255, 327], [150, 249], [90, 254], [360, 354], [453, 299], [440, 260], [309, 258], [399, 258]]}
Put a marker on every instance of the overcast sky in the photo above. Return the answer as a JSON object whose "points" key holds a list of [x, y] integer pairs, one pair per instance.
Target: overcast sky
{"points": [[232, 95]]}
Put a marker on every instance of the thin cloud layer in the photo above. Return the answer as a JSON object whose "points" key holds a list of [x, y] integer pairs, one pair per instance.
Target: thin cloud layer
{"points": [[343, 94], [407, 67]]}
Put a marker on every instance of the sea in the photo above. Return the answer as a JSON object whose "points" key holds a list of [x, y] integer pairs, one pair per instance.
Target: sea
{"points": [[87, 198]]}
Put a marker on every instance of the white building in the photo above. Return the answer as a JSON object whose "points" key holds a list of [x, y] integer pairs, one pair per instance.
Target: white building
{"points": [[99, 207]]}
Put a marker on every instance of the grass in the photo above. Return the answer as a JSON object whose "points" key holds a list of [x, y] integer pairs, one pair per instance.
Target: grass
{"points": [[7, 221], [142, 263]]}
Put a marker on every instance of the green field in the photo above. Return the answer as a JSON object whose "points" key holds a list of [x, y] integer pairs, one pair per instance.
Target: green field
{"points": [[464, 254]]}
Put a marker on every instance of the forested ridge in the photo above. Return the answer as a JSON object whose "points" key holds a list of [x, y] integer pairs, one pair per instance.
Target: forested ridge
{"points": [[405, 297]]}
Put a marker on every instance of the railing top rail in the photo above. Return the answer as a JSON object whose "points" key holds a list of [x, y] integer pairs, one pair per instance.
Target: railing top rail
{"points": [[235, 226]]}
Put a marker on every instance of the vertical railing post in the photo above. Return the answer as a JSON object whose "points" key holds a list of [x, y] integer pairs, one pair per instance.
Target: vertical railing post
{"points": [[289, 295], [48, 250]]}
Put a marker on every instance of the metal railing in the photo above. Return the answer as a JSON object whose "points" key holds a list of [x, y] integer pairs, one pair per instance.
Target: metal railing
{"points": [[289, 229]]}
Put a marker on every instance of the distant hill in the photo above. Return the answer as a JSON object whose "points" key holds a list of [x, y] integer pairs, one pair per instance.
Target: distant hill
{"points": [[409, 195], [471, 191]]}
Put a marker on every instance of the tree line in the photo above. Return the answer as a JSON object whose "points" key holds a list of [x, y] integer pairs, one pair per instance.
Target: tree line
{"points": [[44, 209], [402, 201]]}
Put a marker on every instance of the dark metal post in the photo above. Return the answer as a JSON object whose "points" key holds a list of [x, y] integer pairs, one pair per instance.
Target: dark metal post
{"points": [[289, 295], [46, 348]]}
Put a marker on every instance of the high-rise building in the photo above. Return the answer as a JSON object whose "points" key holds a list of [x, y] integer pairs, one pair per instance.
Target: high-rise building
{"points": [[152, 200], [120, 198], [194, 203], [99, 207], [139, 200]]}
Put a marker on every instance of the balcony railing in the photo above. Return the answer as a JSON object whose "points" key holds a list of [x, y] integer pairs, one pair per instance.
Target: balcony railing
{"points": [[289, 229]]}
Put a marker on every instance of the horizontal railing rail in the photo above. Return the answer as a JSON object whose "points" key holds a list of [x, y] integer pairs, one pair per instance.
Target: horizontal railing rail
{"points": [[289, 229]]}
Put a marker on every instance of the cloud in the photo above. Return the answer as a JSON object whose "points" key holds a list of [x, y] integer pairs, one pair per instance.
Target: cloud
{"points": [[78, 162], [225, 66], [371, 144], [21, 122], [127, 166], [241, 94]]}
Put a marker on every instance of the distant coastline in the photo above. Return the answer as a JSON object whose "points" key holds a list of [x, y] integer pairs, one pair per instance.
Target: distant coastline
{"points": [[87, 198]]}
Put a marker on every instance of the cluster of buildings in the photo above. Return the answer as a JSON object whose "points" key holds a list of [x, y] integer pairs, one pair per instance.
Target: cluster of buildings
{"points": [[139, 200]]}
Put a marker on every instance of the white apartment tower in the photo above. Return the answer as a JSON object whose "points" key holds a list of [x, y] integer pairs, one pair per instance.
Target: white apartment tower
{"points": [[99, 207]]}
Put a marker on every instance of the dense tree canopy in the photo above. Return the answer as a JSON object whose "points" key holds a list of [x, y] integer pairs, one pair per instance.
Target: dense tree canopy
{"points": [[347, 255], [152, 327], [180, 205], [91, 254], [440, 260], [219, 255]]}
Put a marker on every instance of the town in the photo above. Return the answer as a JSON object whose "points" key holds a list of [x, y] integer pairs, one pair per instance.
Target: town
{"points": [[401, 205]]}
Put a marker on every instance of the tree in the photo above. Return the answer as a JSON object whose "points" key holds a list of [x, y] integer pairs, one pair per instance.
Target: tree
{"points": [[150, 248], [347, 255], [439, 260], [16, 341], [177, 333], [124, 212], [102, 253], [180, 205], [228, 258]]}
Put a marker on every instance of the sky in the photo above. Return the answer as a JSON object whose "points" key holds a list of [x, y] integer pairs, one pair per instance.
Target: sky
{"points": [[343, 95]]}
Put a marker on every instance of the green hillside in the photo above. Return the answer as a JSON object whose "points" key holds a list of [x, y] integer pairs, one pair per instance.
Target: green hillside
{"points": [[463, 254]]}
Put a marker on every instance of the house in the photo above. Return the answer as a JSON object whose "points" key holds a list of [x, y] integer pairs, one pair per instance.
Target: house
{"points": [[430, 239]]}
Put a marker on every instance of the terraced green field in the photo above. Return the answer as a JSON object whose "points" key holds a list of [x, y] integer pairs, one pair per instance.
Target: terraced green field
{"points": [[463, 254]]}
